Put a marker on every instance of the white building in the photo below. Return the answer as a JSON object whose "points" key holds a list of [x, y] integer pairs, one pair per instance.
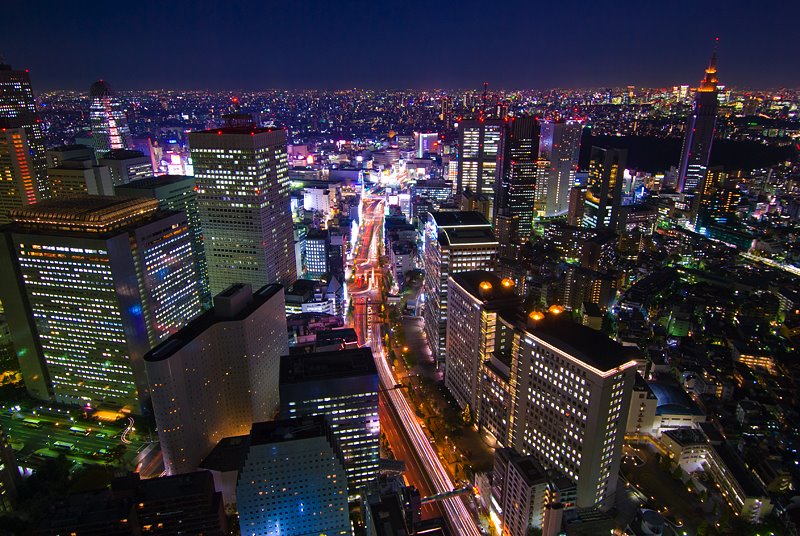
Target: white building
{"points": [[571, 399], [292, 481], [317, 198], [453, 242], [218, 375], [243, 200]]}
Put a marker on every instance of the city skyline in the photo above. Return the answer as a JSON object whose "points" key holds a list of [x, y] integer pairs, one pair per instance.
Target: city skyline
{"points": [[381, 47]]}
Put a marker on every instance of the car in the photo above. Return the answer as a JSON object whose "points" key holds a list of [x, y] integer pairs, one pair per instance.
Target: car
{"points": [[101, 436]]}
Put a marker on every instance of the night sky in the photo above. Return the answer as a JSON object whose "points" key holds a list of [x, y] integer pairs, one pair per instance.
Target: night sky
{"points": [[327, 44]]}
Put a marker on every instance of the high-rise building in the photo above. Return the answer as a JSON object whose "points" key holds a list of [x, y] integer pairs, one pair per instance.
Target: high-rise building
{"points": [[521, 492], [604, 188], [572, 390], [181, 504], [126, 165], [480, 152], [559, 149], [316, 258], [23, 176], [474, 300], [453, 242], [58, 155], [699, 135], [515, 192], [292, 481], [79, 177], [343, 387], [218, 375], [109, 125], [243, 195], [178, 193], [90, 285]]}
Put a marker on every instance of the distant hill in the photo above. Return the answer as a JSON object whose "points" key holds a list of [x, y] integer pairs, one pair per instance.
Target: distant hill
{"points": [[658, 154]]}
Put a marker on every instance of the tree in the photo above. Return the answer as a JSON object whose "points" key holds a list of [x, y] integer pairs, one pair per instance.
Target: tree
{"points": [[466, 415]]}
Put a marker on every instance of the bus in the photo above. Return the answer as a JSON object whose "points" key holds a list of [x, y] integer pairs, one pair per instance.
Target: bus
{"points": [[63, 445], [33, 423], [77, 430]]}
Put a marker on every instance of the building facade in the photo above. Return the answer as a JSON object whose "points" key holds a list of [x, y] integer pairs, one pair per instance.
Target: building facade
{"points": [[453, 242], [292, 481], [517, 185], [342, 386], [218, 375], [604, 188], [92, 284], [243, 197], [109, 125], [572, 388], [559, 149]]}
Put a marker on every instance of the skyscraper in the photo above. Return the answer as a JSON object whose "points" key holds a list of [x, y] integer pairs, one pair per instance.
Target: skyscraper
{"points": [[572, 390], [292, 481], [559, 149], [453, 242], [178, 193], [480, 151], [109, 125], [474, 300], [243, 195], [126, 165], [604, 188], [218, 374], [90, 285], [342, 386], [699, 135], [23, 176], [515, 193]]}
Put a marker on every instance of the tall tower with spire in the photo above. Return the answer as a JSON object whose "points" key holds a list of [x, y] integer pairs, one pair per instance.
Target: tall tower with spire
{"points": [[109, 126], [700, 127]]}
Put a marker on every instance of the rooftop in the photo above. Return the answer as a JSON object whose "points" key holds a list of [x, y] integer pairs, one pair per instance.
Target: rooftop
{"points": [[264, 433], [672, 399], [584, 343], [199, 325], [737, 468], [123, 154], [470, 235], [327, 366], [93, 213], [459, 218], [228, 454], [227, 131], [149, 183], [487, 287]]}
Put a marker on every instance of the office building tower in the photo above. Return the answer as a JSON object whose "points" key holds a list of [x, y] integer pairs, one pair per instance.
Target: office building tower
{"points": [[521, 493], [183, 504], [292, 481], [474, 300], [178, 193], [58, 155], [316, 257], [572, 390], [243, 195], [23, 179], [109, 125], [577, 205], [453, 242], [699, 135], [91, 284], [604, 188], [126, 165], [480, 152], [18, 188], [79, 177], [559, 149], [218, 375], [342, 386], [517, 186]]}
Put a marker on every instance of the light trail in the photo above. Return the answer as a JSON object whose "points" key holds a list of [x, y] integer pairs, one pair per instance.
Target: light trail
{"points": [[458, 515]]}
